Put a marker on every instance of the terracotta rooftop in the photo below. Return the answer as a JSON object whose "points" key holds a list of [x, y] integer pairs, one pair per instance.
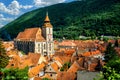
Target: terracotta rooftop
{"points": [[24, 63], [91, 53], [14, 62], [12, 52], [55, 66], [31, 34], [35, 70], [34, 58], [62, 59], [37, 78], [21, 62], [67, 51], [102, 48], [67, 43], [56, 42], [74, 67], [66, 76], [85, 44], [92, 66]]}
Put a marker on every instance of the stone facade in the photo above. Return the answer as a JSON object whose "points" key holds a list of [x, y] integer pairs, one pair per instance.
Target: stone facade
{"points": [[36, 40]]}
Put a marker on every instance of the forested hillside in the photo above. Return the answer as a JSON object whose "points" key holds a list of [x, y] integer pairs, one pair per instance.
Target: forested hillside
{"points": [[86, 17]]}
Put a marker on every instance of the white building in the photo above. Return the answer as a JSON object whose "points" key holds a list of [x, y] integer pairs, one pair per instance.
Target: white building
{"points": [[36, 40]]}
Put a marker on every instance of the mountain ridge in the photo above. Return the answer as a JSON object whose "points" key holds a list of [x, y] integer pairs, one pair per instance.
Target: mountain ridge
{"points": [[86, 17]]}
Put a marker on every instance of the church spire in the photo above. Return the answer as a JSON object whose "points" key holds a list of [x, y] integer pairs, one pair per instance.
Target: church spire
{"points": [[47, 17], [47, 21]]}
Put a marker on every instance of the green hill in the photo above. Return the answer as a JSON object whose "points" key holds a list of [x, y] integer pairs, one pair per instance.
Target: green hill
{"points": [[86, 17]]}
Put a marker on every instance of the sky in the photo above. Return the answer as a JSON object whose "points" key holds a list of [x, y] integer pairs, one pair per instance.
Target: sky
{"points": [[12, 9]]}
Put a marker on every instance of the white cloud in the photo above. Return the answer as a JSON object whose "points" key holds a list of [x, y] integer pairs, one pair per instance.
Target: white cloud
{"points": [[26, 6], [42, 3], [4, 20], [1, 15], [13, 8]]}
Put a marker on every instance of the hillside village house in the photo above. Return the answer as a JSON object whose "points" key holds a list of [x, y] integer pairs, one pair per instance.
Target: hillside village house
{"points": [[36, 40]]}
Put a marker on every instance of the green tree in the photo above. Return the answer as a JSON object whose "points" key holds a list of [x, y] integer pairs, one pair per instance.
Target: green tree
{"points": [[65, 66], [3, 57], [111, 71], [15, 74], [110, 52], [45, 79]]}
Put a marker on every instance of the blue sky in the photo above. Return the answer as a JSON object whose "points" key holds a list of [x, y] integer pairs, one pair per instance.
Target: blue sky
{"points": [[11, 9]]}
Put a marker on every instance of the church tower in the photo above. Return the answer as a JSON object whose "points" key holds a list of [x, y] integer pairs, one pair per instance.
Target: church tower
{"points": [[47, 29], [47, 32]]}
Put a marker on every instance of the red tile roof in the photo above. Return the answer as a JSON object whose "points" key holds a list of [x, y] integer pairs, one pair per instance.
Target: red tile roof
{"points": [[62, 59], [85, 44], [67, 43], [74, 67], [35, 70], [14, 62], [91, 53], [31, 34], [67, 51], [55, 66], [34, 58], [21, 62], [37, 78], [66, 76], [92, 67]]}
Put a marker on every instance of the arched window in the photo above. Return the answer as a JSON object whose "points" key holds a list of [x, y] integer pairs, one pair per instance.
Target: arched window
{"points": [[50, 47], [38, 47], [44, 46], [49, 31]]}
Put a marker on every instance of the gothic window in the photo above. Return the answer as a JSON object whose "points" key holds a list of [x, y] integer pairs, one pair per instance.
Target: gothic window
{"points": [[49, 31], [44, 46], [50, 47], [38, 47]]}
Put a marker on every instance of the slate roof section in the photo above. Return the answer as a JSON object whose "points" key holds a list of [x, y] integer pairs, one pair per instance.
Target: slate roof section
{"points": [[83, 75]]}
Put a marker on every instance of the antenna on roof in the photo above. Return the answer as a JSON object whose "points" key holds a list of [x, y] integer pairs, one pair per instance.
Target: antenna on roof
{"points": [[46, 13]]}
